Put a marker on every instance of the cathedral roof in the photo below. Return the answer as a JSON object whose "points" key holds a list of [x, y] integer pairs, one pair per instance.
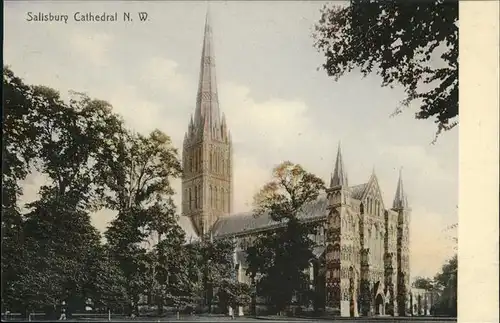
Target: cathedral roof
{"points": [[246, 222], [242, 223]]}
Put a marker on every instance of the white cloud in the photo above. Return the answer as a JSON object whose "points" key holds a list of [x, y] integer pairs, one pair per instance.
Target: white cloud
{"points": [[138, 112], [273, 122], [248, 179], [92, 46], [161, 73]]}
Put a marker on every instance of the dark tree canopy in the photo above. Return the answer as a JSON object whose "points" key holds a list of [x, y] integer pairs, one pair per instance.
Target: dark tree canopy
{"points": [[401, 41], [447, 280], [277, 259], [423, 283], [48, 252]]}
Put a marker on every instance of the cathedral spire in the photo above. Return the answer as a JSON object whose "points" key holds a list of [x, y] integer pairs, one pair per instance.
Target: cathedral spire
{"points": [[400, 199], [339, 176], [207, 101], [207, 152]]}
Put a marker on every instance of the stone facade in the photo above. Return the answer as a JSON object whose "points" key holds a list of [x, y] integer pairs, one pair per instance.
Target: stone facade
{"points": [[362, 265]]}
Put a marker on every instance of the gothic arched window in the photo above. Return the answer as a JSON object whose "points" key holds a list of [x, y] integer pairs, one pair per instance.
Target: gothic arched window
{"points": [[190, 200], [198, 159], [200, 197], [211, 196], [216, 161], [223, 199], [216, 198], [195, 197]]}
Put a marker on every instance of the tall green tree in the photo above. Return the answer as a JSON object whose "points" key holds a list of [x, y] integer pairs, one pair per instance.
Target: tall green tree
{"points": [[408, 43], [64, 141], [447, 280], [60, 244], [172, 276], [107, 283], [277, 260], [214, 258], [138, 180], [19, 150], [72, 138]]}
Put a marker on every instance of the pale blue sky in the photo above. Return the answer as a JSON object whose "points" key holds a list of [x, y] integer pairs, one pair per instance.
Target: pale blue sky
{"points": [[278, 106]]}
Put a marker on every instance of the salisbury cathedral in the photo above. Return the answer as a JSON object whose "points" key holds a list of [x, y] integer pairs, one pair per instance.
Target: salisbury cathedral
{"points": [[362, 265]]}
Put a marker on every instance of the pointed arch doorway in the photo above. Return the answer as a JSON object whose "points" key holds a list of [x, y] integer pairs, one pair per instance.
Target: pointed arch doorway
{"points": [[379, 304]]}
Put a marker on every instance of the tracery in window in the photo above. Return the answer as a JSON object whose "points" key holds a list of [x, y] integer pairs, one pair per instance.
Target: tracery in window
{"points": [[216, 202], [211, 193], [200, 197], [195, 197], [223, 199]]}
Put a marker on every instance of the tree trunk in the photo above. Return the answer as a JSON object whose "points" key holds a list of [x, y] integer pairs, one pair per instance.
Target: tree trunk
{"points": [[159, 303]]}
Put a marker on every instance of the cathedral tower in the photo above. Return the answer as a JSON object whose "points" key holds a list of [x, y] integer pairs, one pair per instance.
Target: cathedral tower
{"points": [[207, 150], [341, 272], [400, 205]]}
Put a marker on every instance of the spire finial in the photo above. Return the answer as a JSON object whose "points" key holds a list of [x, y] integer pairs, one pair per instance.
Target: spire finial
{"points": [[400, 199], [207, 15], [207, 102], [339, 177]]}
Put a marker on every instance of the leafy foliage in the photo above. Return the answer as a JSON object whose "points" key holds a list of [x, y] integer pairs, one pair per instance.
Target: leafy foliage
{"points": [[234, 294], [423, 283], [19, 144], [174, 279], [447, 280], [277, 260], [18, 152], [107, 283], [215, 263], [402, 42], [138, 178], [55, 241]]}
